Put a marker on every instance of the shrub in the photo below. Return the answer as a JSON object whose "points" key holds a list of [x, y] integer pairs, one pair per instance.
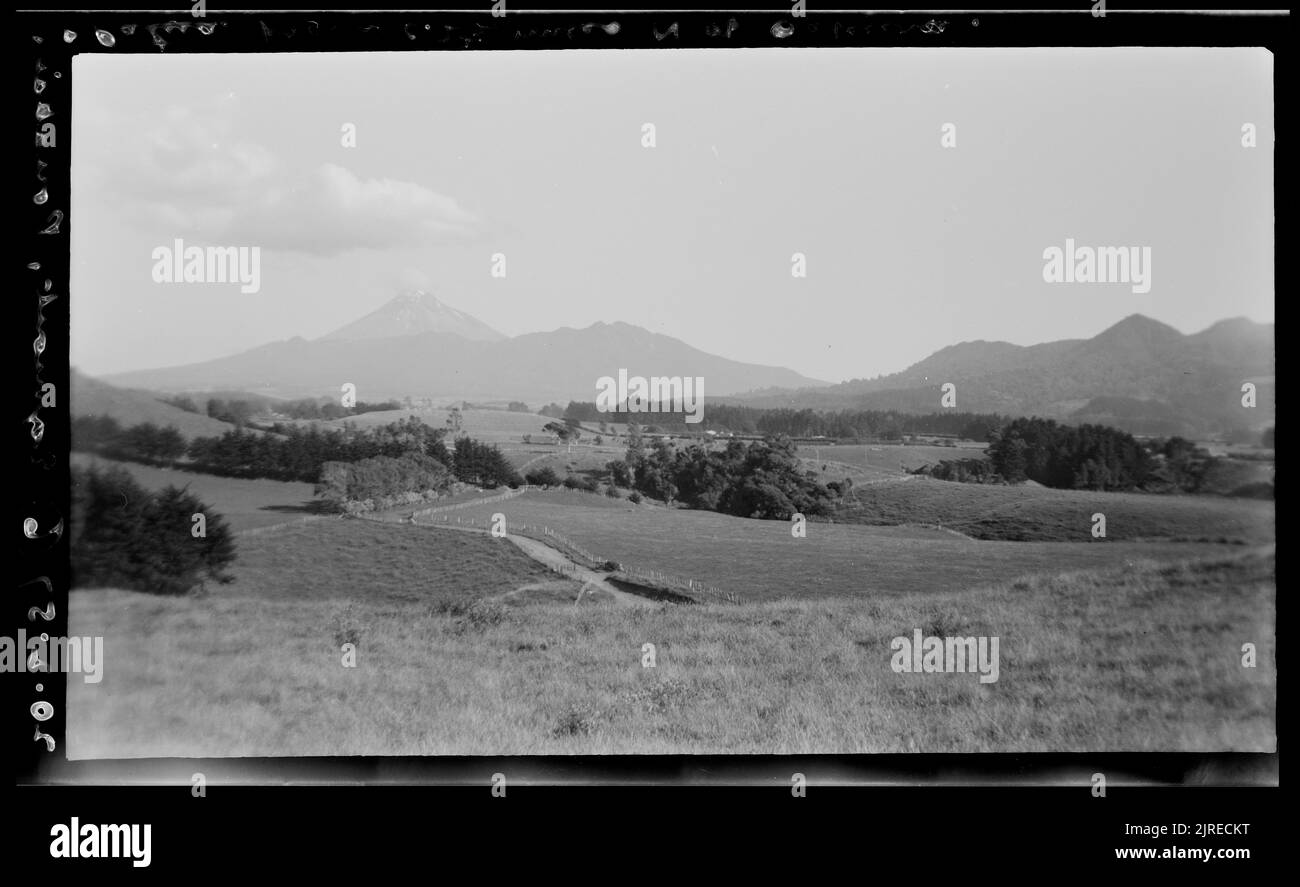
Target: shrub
{"points": [[381, 478], [576, 722], [124, 536], [543, 477]]}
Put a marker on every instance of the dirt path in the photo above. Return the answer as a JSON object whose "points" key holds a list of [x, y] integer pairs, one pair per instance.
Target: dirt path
{"points": [[543, 553], [556, 560]]}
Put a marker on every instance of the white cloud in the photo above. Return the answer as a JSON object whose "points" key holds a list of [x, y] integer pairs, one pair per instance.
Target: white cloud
{"points": [[331, 210], [189, 173]]}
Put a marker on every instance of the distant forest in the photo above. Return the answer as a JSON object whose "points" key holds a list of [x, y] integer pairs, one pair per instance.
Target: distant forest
{"points": [[845, 424], [1089, 457], [240, 411]]}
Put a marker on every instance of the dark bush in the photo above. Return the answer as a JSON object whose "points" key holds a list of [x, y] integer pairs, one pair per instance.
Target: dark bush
{"points": [[543, 477], [123, 536]]}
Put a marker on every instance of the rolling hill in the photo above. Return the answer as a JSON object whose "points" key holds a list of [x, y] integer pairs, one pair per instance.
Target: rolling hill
{"points": [[92, 397], [1140, 375]]}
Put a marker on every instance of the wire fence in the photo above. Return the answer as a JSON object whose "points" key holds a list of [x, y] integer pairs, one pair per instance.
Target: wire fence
{"points": [[469, 503]]}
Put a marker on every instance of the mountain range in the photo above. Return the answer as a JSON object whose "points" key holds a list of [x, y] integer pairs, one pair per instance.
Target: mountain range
{"points": [[1139, 374], [416, 346]]}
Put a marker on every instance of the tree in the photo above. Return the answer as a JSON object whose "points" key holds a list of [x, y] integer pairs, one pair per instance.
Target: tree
{"points": [[543, 477], [1008, 457], [483, 465], [170, 445], [183, 402], [620, 473], [562, 431], [123, 536]]}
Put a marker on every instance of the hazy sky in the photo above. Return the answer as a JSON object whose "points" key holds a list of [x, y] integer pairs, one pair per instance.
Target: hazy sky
{"points": [[760, 153]]}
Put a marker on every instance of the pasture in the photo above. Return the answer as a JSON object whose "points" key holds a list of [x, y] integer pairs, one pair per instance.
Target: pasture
{"points": [[582, 459], [1143, 657], [1031, 512], [760, 560], [245, 503], [883, 460], [91, 397]]}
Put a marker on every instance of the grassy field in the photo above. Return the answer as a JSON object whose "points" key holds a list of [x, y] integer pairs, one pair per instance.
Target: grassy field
{"points": [[91, 397], [329, 580], [1140, 658], [760, 560], [582, 460], [351, 559], [246, 504], [1230, 474], [1035, 513], [884, 460]]}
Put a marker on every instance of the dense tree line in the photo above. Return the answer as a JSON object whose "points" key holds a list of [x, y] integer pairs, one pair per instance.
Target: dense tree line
{"points": [[291, 452], [1090, 457], [331, 409], [968, 471], [239, 411], [123, 536], [762, 479], [294, 452], [1085, 457], [347, 464], [381, 480], [843, 425], [145, 442]]}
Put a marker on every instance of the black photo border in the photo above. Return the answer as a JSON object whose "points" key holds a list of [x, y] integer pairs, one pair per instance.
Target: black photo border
{"points": [[38, 444]]}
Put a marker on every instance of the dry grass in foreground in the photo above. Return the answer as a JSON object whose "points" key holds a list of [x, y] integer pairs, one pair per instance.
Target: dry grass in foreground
{"points": [[1144, 658]]}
